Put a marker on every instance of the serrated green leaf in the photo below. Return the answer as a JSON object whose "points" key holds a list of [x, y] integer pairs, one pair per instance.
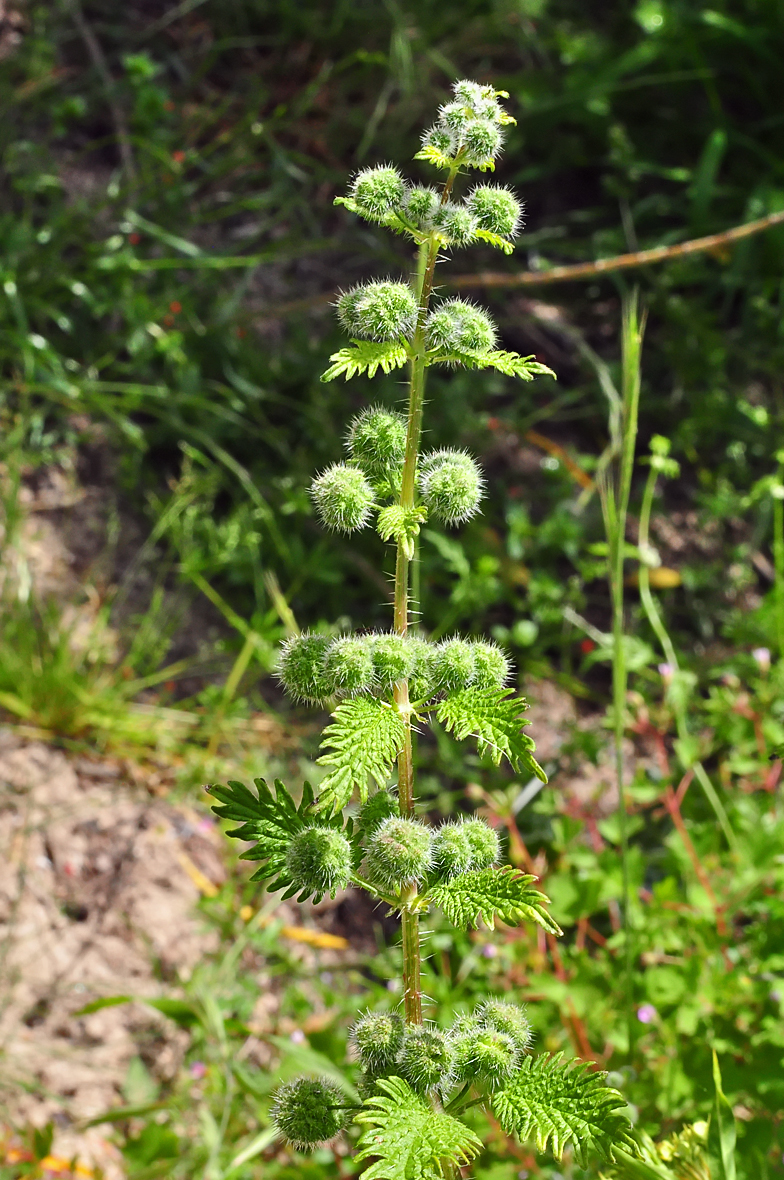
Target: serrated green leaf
{"points": [[488, 894], [269, 821], [401, 523], [409, 1140], [435, 157], [362, 743], [494, 717], [511, 364], [366, 356], [485, 235], [556, 1104]]}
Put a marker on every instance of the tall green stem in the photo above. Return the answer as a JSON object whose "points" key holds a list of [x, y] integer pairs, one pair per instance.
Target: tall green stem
{"points": [[679, 705], [428, 253], [778, 558], [615, 503]]}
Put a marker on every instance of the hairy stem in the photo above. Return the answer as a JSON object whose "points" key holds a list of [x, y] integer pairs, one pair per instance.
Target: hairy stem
{"points": [[426, 264]]}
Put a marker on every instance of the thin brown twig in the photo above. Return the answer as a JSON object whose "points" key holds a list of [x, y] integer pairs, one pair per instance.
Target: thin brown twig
{"points": [[99, 61], [586, 270]]}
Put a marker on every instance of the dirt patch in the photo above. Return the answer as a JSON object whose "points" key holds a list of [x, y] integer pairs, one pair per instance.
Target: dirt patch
{"points": [[94, 901]]}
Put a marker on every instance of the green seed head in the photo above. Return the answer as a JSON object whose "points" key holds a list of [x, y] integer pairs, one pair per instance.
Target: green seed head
{"points": [[377, 1037], [469, 94], [509, 1019], [422, 205], [452, 851], [377, 440], [399, 852], [420, 681], [496, 209], [375, 810], [343, 498], [457, 223], [308, 1111], [456, 116], [484, 842], [319, 860], [453, 664], [426, 1058], [441, 138], [392, 659], [348, 666], [378, 191], [451, 485], [483, 1055], [301, 667], [482, 142], [384, 310], [460, 326], [492, 666]]}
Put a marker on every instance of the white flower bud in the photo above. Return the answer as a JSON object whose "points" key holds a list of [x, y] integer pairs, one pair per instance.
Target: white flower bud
{"points": [[379, 311], [343, 498], [496, 209], [378, 191], [460, 326], [457, 223]]}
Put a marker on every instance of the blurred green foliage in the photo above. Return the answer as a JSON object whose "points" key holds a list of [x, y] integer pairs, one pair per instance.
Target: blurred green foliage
{"points": [[169, 253]]}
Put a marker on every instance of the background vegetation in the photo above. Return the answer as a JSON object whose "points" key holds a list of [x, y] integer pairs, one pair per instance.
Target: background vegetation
{"points": [[169, 254]]}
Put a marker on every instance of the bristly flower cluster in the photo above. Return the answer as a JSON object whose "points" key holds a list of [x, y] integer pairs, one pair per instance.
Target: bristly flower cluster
{"points": [[417, 1077]]}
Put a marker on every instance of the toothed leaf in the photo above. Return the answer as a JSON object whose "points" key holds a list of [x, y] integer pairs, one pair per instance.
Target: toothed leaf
{"points": [[408, 1140], [363, 742], [488, 894], [558, 1104], [366, 356], [494, 717], [495, 240], [509, 363], [402, 524], [270, 821]]}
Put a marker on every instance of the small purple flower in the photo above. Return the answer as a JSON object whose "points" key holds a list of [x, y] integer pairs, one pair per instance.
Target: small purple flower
{"points": [[489, 950], [297, 1037], [646, 1013], [762, 656], [666, 671], [197, 1070]]}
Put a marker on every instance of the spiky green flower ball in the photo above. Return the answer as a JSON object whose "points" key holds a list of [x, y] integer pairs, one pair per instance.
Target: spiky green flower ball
{"points": [[469, 94], [308, 1111], [375, 810], [492, 667], [452, 851], [425, 1058], [482, 142], [348, 666], [378, 1037], [457, 223], [301, 667], [485, 845], [451, 485], [507, 1018], [398, 852], [319, 860], [420, 679], [483, 1055], [392, 659], [453, 664], [441, 139], [456, 116], [460, 326], [385, 310], [421, 205], [496, 209], [343, 498], [378, 191], [377, 440]]}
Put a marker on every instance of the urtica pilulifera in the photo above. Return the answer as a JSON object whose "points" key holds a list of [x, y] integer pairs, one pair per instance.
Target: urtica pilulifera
{"points": [[362, 827]]}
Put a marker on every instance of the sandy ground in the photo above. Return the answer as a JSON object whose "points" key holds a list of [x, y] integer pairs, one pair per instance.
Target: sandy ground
{"points": [[95, 900]]}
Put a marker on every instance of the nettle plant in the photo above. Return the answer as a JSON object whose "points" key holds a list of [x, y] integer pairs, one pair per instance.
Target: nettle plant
{"points": [[417, 1077]]}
